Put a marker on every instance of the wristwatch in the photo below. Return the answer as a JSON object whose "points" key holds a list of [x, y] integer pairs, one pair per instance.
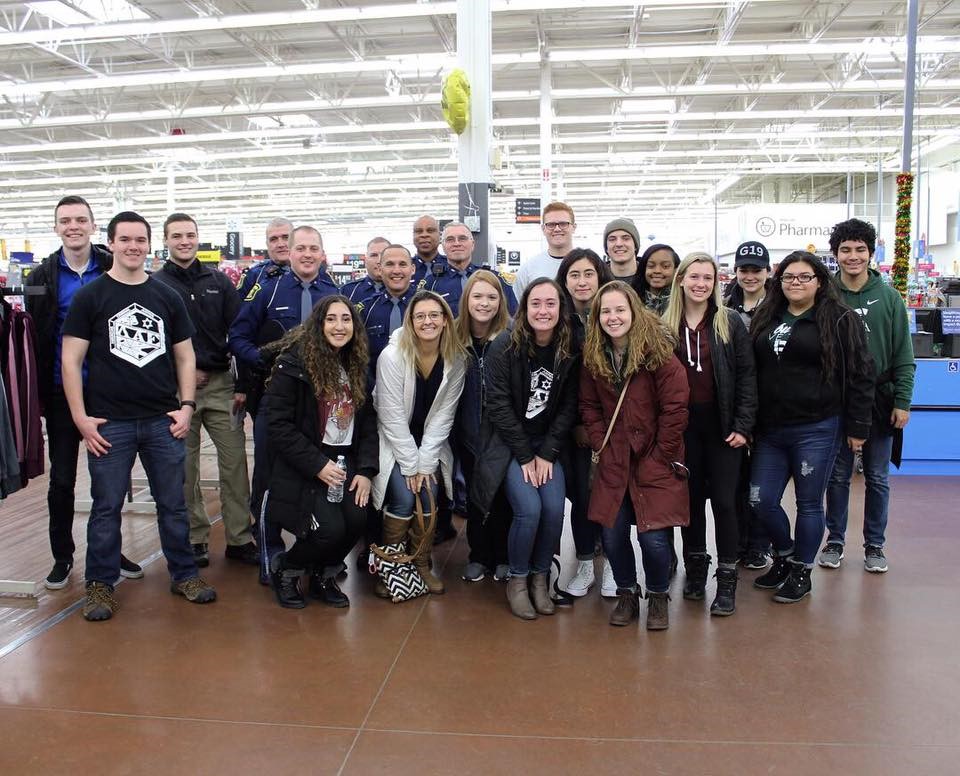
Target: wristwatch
{"points": [[189, 403]]}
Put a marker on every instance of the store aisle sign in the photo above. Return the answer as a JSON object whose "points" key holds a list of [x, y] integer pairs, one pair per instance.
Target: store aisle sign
{"points": [[783, 226], [528, 210]]}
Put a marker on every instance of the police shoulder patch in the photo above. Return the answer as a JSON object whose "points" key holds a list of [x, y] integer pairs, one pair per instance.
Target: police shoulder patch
{"points": [[253, 292]]}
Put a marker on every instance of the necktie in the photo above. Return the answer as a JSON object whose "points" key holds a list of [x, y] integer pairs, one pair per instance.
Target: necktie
{"points": [[306, 302], [463, 278], [396, 317]]}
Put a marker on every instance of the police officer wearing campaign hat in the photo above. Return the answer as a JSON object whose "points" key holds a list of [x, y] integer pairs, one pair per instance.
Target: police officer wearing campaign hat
{"points": [[371, 283], [382, 313], [449, 279]]}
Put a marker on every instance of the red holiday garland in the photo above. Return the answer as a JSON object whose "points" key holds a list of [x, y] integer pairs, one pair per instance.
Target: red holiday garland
{"points": [[901, 251]]}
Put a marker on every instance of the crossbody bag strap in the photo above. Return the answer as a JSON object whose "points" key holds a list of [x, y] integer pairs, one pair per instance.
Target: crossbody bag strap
{"points": [[595, 456]]}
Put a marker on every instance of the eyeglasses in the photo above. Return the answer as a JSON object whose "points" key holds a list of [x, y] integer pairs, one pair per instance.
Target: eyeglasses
{"points": [[457, 238], [804, 277], [558, 225], [434, 316]]}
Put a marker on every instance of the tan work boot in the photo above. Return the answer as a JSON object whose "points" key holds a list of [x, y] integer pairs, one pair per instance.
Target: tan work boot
{"points": [[658, 616], [519, 598], [422, 560], [627, 609], [394, 531], [540, 594]]}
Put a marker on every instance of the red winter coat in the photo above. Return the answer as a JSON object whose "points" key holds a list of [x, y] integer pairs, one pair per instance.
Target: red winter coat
{"points": [[646, 438]]}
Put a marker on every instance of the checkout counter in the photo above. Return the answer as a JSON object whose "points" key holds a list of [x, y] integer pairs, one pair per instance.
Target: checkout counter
{"points": [[931, 441]]}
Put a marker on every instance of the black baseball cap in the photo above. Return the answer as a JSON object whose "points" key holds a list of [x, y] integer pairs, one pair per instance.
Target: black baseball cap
{"points": [[752, 254]]}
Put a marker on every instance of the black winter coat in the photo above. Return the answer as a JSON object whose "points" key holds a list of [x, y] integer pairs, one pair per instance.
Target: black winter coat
{"points": [[212, 302], [734, 377], [502, 438], [294, 436], [43, 310]]}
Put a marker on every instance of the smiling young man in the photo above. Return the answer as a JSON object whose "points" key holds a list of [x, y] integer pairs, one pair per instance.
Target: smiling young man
{"points": [[134, 333], [622, 242], [212, 303], [559, 226], [382, 313], [73, 265], [888, 335]]}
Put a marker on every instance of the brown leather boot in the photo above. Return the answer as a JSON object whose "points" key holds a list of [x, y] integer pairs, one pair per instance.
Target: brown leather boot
{"points": [[519, 598], [658, 616], [540, 594], [394, 531], [627, 609], [423, 559]]}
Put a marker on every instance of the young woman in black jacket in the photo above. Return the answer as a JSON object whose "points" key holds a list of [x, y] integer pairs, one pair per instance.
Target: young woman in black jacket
{"points": [[317, 409], [717, 354], [483, 316], [815, 380], [531, 387]]}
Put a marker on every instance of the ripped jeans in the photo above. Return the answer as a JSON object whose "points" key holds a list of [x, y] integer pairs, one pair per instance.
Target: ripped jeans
{"points": [[806, 453]]}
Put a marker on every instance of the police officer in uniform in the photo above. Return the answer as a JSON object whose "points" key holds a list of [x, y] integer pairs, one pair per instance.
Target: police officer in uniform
{"points": [[426, 239], [278, 253], [382, 313], [371, 283]]}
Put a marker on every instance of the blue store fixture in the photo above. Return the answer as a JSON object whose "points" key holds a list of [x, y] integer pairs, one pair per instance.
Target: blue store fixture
{"points": [[931, 441]]}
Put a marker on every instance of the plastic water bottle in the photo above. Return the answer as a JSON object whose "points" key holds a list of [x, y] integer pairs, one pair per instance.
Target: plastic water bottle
{"points": [[335, 492]]}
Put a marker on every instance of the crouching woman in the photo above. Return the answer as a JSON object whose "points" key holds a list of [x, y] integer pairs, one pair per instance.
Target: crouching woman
{"points": [[633, 401], [317, 409]]}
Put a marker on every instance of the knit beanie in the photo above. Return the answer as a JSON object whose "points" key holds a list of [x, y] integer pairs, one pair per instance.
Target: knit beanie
{"points": [[626, 225]]}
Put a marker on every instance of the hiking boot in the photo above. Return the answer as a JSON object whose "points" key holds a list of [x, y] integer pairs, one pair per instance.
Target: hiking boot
{"points": [[725, 602], [796, 586], [540, 593], [59, 576], [831, 555], [874, 560], [129, 569], [195, 590], [696, 567], [245, 553], [328, 591], [474, 572], [776, 575], [519, 599], [658, 616], [627, 609], [755, 560], [201, 555], [608, 585], [100, 604], [581, 582]]}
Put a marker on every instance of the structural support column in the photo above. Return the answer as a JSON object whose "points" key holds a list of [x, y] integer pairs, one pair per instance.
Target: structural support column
{"points": [[473, 52], [901, 261], [546, 131]]}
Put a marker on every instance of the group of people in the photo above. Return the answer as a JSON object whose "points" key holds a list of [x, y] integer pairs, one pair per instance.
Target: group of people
{"points": [[627, 385]]}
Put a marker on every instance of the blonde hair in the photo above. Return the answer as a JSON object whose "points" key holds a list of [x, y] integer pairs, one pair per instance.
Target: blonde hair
{"points": [[673, 315], [450, 347], [499, 322], [649, 343]]}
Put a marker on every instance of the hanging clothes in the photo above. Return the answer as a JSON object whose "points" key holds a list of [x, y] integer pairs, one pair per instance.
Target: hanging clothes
{"points": [[9, 461], [18, 368]]}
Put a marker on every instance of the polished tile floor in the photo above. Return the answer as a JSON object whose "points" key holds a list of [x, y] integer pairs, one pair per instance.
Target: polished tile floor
{"points": [[861, 678]]}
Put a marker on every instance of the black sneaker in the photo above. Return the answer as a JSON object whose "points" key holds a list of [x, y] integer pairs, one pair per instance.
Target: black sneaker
{"points": [[129, 569], [776, 575], [245, 553], [100, 604], [201, 555], [59, 576], [796, 586], [755, 560]]}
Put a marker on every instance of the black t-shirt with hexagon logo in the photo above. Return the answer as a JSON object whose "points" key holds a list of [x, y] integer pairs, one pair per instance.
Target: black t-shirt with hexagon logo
{"points": [[131, 330]]}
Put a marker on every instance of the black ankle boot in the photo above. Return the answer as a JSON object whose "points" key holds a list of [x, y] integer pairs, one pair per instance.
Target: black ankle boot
{"points": [[696, 567], [776, 575], [286, 583], [726, 601], [796, 586], [327, 590]]}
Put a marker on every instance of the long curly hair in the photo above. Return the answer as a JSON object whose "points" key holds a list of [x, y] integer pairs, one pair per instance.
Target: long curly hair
{"points": [[650, 343], [842, 335], [522, 337], [321, 362]]}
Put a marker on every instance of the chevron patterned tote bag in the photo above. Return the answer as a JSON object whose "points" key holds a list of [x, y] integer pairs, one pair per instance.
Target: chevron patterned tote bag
{"points": [[395, 566]]}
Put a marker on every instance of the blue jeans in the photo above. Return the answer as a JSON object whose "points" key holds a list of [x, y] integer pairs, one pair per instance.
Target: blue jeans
{"points": [[399, 498], [806, 453], [876, 468], [655, 550], [163, 460], [537, 520]]}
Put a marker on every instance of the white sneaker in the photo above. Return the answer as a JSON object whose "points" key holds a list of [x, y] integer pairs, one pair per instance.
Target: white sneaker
{"points": [[583, 580], [608, 587]]}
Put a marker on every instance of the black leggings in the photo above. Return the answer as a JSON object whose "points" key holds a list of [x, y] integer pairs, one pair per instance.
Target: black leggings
{"points": [[714, 473], [487, 540]]}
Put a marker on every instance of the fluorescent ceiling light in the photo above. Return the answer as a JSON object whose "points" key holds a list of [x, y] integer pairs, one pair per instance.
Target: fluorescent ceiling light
{"points": [[85, 11]]}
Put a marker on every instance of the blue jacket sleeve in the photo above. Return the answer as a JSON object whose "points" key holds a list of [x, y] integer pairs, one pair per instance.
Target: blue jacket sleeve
{"points": [[243, 332]]}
